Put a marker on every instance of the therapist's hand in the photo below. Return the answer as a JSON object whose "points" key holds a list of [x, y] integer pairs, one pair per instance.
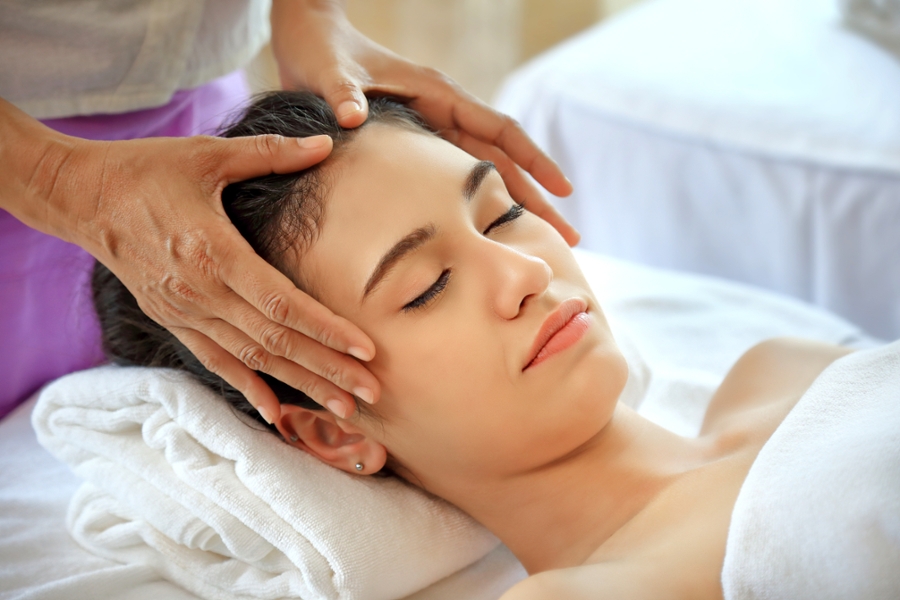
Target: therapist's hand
{"points": [[317, 48], [151, 211]]}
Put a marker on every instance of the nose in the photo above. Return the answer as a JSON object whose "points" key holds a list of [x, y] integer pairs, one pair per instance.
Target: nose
{"points": [[517, 277]]}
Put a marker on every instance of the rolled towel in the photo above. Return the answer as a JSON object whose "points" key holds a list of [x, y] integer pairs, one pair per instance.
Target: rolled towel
{"points": [[177, 480], [819, 513]]}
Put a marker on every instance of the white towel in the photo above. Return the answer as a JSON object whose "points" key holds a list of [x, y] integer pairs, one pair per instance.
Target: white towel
{"points": [[177, 481], [819, 513]]}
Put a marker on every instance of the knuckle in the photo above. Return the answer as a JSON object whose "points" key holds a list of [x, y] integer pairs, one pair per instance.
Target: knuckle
{"points": [[344, 86], [275, 308], [269, 144], [196, 250], [316, 389], [276, 339], [177, 288], [331, 371], [255, 357], [324, 335], [163, 312]]}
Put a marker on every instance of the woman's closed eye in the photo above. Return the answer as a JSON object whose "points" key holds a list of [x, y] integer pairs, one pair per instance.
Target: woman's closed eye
{"points": [[431, 293], [515, 211]]}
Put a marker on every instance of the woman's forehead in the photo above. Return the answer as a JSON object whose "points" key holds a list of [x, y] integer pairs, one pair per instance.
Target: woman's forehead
{"points": [[390, 182]]}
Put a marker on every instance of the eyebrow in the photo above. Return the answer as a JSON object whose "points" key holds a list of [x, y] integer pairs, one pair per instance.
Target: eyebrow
{"points": [[422, 235], [476, 177]]}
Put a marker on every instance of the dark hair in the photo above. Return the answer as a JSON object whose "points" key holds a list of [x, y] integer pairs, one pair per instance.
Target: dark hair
{"points": [[273, 213]]}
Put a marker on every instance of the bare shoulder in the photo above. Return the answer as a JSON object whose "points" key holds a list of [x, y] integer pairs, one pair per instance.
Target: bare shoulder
{"points": [[589, 582], [774, 374]]}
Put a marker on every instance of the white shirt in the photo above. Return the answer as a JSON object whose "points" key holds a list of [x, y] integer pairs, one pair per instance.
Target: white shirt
{"points": [[63, 58]]}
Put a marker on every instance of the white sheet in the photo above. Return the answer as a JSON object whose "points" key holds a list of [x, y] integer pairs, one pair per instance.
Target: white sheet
{"points": [[689, 329], [757, 140], [819, 513]]}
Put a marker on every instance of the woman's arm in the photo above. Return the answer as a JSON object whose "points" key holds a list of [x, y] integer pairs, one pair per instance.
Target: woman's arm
{"points": [[151, 211]]}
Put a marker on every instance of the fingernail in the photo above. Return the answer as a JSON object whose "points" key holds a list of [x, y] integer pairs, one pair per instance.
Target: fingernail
{"points": [[315, 141], [364, 394], [345, 109], [265, 415], [360, 353], [338, 408]]}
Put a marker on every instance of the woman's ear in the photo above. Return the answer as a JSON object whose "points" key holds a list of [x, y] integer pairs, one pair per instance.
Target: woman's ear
{"points": [[334, 441]]}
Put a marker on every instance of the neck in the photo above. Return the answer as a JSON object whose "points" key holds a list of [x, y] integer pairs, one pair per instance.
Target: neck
{"points": [[558, 515]]}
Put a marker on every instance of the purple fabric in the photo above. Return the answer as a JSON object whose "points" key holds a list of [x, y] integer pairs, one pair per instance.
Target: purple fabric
{"points": [[47, 323]]}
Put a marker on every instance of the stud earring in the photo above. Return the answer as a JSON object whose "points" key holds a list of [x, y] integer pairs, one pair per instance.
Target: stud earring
{"points": [[294, 439], [359, 466]]}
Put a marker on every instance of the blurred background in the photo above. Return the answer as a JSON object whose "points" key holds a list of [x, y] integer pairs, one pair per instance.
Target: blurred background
{"points": [[476, 42]]}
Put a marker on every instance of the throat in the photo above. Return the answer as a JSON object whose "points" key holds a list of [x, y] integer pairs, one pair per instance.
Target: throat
{"points": [[559, 515]]}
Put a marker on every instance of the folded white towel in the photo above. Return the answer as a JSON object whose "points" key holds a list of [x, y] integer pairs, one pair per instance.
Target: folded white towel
{"points": [[819, 513], [175, 479]]}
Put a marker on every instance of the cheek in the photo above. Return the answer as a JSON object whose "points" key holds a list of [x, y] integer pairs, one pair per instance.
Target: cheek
{"points": [[443, 394], [452, 414]]}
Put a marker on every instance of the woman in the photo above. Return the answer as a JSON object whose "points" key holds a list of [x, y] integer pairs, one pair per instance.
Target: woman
{"points": [[499, 375]]}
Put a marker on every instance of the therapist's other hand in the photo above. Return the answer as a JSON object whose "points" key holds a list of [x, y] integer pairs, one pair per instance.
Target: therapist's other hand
{"points": [[318, 49], [151, 211]]}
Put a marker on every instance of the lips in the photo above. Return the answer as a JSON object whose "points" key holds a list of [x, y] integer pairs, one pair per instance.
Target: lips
{"points": [[563, 317]]}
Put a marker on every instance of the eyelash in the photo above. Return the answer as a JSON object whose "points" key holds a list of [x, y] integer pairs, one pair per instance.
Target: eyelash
{"points": [[431, 293], [514, 212]]}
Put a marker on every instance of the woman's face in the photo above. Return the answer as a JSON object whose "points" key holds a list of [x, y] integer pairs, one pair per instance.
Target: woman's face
{"points": [[422, 248]]}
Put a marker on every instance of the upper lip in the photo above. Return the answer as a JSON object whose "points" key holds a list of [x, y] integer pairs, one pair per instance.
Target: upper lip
{"points": [[555, 321]]}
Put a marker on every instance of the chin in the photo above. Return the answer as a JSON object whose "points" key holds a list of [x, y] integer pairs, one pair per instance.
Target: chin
{"points": [[585, 398]]}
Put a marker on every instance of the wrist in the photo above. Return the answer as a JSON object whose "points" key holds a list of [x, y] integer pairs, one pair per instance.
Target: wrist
{"points": [[308, 18], [36, 172]]}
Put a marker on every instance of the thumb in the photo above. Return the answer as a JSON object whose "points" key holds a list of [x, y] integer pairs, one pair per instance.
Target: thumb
{"points": [[258, 155], [346, 99]]}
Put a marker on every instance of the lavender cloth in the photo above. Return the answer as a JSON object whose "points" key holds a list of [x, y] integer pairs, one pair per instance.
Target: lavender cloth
{"points": [[47, 323]]}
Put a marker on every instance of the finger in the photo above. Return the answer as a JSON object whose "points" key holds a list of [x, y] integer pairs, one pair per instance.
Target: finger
{"points": [[256, 358], [487, 125], [219, 361], [346, 99], [278, 299], [275, 340], [254, 156], [520, 187]]}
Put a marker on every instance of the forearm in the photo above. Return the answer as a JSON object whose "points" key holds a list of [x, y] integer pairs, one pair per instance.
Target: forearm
{"points": [[292, 11], [35, 168]]}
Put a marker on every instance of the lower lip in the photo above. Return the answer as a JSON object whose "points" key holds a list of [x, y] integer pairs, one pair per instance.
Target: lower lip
{"points": [[565, 338]]}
